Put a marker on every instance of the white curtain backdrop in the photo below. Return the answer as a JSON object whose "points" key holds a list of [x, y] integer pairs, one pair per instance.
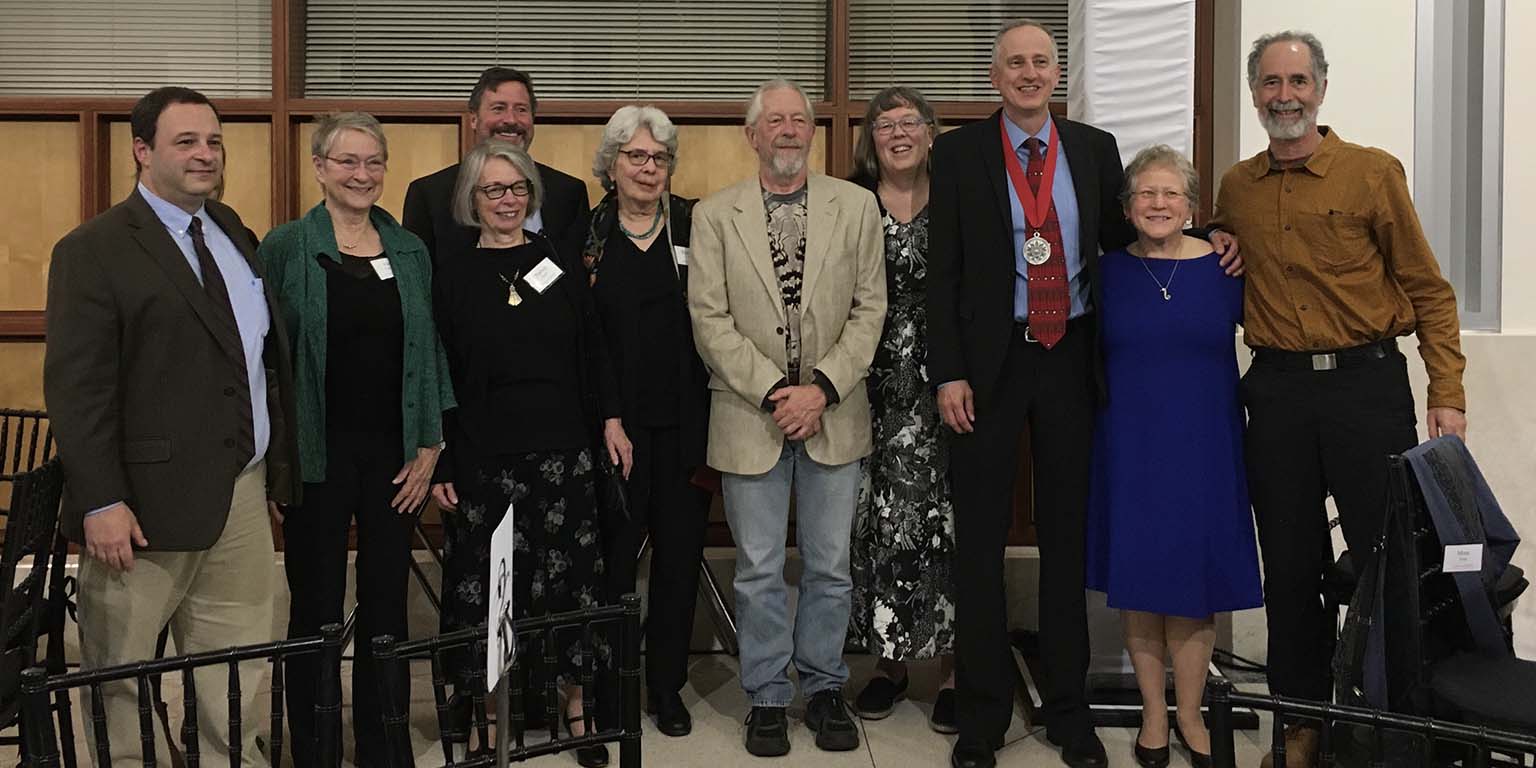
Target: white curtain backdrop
{"points": [[1132, 71]]}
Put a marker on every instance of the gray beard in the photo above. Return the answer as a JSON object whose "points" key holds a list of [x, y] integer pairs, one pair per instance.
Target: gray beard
{"points": [[1284, 131], [787, 167]]}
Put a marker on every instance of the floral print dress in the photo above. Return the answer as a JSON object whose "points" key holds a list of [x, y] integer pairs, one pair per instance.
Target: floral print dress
{"points": [[903, 531]]}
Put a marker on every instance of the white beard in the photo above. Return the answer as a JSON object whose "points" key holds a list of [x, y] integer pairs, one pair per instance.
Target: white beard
{"points": [[1287, 131]]}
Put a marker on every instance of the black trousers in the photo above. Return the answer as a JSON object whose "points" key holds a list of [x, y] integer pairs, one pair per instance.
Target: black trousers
{"points": [[1050, 392], [1312, 434], [676, 512], [359, 468]]}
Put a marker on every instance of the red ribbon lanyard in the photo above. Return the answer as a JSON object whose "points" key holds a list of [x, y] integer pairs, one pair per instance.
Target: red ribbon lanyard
{"points": [[1035, 209]]}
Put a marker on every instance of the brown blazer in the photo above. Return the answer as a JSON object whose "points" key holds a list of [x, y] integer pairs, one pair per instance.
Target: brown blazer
{"points": [[138, 374], [738, 318]]}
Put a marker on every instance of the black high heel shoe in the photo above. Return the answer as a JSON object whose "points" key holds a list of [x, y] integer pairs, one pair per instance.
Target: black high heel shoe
{"points": [[1150, 757], [1196, 759], [595, 756]]}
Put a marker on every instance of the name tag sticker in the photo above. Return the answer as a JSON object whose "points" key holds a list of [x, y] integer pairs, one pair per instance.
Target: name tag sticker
{"points": [[382, 269], [542, 275], [682, 255], [1462, 558]]}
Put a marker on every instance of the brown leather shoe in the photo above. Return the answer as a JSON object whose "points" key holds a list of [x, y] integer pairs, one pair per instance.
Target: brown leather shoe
{"points": [[1301, 745]]}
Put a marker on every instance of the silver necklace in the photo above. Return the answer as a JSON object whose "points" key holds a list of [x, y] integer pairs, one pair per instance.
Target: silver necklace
{"points": [[1161, 286]]}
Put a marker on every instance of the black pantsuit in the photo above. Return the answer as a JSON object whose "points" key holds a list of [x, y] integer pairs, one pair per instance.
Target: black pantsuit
{"points": [[359, 468], [1049, 394], [1312, 434]]}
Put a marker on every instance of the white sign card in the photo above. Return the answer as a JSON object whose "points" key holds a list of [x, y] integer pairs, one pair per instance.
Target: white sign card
{"points": [[1462, 558], [500, 638]]}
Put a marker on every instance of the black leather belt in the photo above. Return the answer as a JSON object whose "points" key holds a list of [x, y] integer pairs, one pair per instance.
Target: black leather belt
{"points": [[1324, 361], [1077, 323]]}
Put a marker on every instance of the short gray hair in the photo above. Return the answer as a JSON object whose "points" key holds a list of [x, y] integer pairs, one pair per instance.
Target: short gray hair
{"points": [[1011, 25], [469, 176], [755, 104], [1162, 156], [328, 127], [1314, 46], [621, 129]]}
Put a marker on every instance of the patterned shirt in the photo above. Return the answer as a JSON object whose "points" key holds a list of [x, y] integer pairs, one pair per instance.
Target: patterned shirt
{"points": [[787, 216]]}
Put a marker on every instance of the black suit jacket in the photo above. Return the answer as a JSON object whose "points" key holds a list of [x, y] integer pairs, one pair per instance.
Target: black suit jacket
{"points": [[429, 213], [140, 374], [970, 247]]}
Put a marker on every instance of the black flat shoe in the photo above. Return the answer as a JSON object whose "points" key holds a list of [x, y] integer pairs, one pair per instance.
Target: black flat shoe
{"points": [[672, 717], [767, 732], [879, 697], [1085, 751], [595, 756], [971, 756], [944, 719], [1150, 757], [1196, 759]]}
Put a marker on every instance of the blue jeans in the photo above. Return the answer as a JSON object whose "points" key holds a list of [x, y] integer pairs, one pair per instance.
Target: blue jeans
{"points": [[757, 508]]}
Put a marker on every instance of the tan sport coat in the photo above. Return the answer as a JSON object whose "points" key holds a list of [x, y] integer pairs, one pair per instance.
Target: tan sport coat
{"points": [[739, 319]]}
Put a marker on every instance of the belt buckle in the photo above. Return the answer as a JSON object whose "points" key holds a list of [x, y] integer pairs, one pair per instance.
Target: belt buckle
{"points": [[1325, 362], [1029, 336]]}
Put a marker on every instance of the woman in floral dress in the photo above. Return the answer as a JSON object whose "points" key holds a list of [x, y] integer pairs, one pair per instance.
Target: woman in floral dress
{"points": [[903, 532]]}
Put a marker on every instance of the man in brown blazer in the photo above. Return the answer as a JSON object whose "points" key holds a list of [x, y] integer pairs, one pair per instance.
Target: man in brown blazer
{"points": [[787, 293], [167, 384]]}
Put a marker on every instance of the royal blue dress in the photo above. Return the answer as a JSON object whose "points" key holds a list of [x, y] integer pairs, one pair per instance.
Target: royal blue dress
{"points": [[1169, 528]]}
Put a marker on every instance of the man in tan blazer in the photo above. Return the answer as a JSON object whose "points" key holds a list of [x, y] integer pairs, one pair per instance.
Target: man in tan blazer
{"points": [[787, 293], [168, 384]]}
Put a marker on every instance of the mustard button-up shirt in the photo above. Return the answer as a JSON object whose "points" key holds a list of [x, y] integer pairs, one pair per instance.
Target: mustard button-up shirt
{"points": [[1336, 258]]}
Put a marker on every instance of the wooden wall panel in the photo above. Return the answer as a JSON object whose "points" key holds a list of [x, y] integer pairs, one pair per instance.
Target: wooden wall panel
{"points": [[415, 150], [247, 169], [21, 375], [41, 200]]}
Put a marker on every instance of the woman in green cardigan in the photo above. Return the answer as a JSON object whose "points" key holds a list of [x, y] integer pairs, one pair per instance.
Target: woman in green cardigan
{"points": [[355, 292]]}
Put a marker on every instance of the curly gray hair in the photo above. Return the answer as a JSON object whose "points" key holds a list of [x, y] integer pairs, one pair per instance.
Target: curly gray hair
{"points": [[1162, 156], [621, 129], [1314, 46], [469, 175]]}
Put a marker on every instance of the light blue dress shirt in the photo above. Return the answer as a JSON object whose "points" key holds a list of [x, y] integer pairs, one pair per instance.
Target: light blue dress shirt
{"points": [[1064, 195], [246, 296]]}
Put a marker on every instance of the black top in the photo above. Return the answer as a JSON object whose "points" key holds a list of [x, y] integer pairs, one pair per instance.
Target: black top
{"points": [[528, 377], [365, 333], [641, 290], [428, 213]]}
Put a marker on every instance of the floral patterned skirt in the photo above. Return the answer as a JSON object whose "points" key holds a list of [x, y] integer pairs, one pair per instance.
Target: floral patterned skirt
{"points": [[557, 564]]}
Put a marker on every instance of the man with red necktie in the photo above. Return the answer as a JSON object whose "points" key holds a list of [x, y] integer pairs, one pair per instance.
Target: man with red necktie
{"points": [[1031, 197]]}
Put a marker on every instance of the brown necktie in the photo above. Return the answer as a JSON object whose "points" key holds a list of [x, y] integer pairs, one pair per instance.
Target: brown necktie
{"points": [[218, 293]]}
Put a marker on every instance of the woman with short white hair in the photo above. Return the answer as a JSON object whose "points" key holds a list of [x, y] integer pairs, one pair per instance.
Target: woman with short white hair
{"points": [[637, 260]]}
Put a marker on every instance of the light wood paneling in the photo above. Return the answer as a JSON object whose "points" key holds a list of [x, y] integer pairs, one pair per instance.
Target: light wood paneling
{"points": [[41, 200], [21, 375], [415, 150], [710, 157], [247, 170]]}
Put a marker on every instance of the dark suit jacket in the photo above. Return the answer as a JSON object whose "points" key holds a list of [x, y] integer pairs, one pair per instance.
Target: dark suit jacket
{"points": [[139, 376], [429, 213], [970, 245]]}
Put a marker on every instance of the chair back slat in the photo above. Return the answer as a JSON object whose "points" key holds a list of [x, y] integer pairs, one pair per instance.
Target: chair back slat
{"points": [[235, 724], [146, 723], [191, 755], [278, 685], [26, 441]]}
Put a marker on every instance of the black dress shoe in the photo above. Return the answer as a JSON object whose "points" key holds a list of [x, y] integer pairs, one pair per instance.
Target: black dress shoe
{"points": [[1085, 751], [1150, 757], [1196, 759], [827, 714], [944, 719], [879, 697], [672, 716], [767, 732], [971, 756]]}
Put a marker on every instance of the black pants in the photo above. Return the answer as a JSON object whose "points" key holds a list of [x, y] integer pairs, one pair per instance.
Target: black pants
{"points": [[359, 468], [663, 499], [1051, 393], [1311, 434]]}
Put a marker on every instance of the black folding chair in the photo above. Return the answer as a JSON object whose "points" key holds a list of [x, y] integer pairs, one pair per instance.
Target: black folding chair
{"points": [[44, 749], [29, 534], [621, 622]]}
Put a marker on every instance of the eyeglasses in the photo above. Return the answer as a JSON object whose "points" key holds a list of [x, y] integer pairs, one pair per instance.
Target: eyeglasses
{"points": [[639, 157], [1149, 195], [908, 125], [374, 165], [498, 191]]}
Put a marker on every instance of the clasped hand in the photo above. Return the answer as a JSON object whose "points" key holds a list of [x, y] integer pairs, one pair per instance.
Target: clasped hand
{"points": [[797, 410]]}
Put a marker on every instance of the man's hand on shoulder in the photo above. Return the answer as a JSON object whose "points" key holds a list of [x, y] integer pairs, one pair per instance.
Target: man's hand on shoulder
{"points": [[1227, 248], [111, 534], [1446, 421]]}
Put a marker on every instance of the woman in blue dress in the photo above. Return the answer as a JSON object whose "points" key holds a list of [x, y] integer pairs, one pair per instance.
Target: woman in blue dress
{"points": [[1170, 533]]}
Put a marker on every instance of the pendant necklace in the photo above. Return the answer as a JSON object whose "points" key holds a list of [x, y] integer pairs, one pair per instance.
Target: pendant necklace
{"points": [[655, 222], [1161, 286], [513, 297]]}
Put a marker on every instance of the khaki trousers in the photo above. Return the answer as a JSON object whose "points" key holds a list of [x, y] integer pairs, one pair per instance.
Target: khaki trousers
{"points": [[213, 599]]}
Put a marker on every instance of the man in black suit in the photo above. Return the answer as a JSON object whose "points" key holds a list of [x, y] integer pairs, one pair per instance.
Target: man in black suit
{"points": [[502, 106], [168, 385], [1015, 236]]}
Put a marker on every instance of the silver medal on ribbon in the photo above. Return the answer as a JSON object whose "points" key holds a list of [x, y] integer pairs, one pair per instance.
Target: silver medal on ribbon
{"points": [[1037, 250]]}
